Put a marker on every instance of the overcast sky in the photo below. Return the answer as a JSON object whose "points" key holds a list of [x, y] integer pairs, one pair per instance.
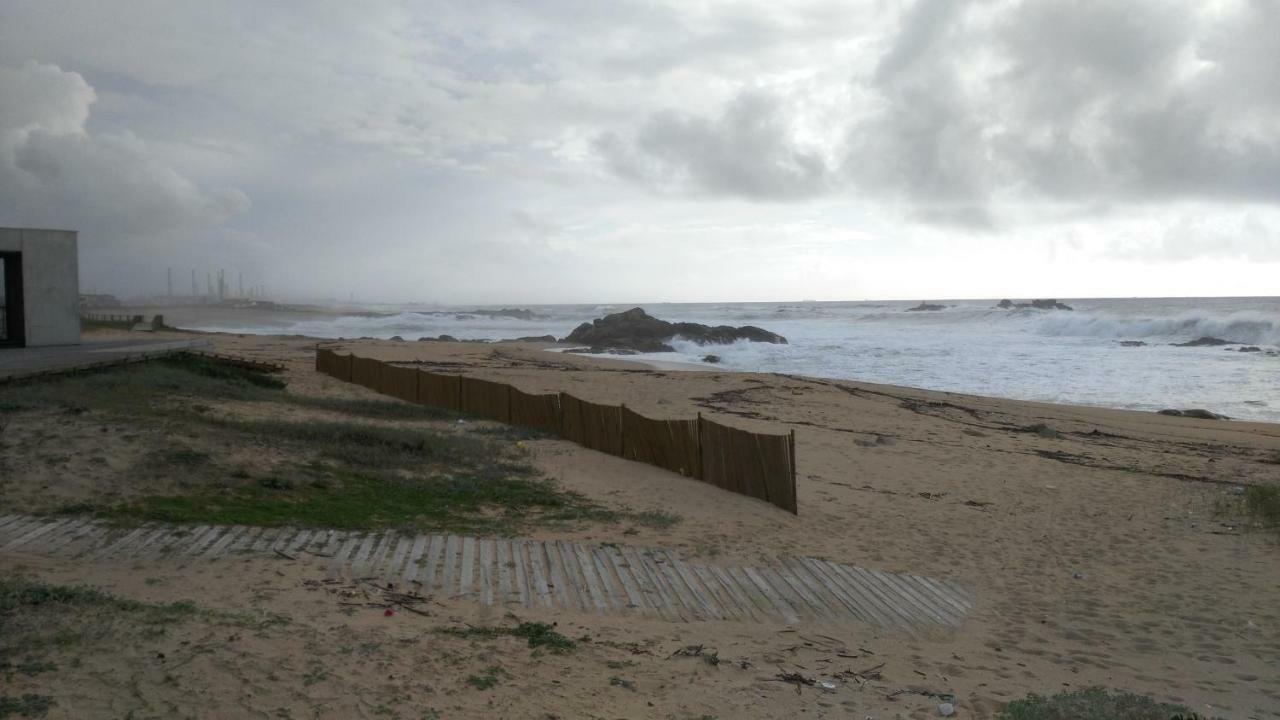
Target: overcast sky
{"points": [[584, 151]]}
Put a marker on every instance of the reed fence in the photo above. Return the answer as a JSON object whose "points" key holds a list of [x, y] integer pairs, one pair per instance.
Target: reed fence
{"points": [[758, 465]]}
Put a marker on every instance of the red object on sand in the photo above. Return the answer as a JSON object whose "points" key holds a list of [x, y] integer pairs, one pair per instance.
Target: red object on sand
{"points": [[388, 612]]}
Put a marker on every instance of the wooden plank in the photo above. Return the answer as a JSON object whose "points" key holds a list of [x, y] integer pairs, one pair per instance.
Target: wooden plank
{"points": [[327, 543], [216, 548], [780, 606], [922, 602], [561, 582], [411, 566], [578, 556], [450, 565], [435, 548], [855, 588], [518, 561], [349, 545], [486, 571], [635, 598], [392, 574], [66, 534], [542, 592], [86, 543], [503, 570], [801, 591], [668, 574], [360, 566], [22, 527], [35, 532], [11, 521], [172, 542], [613, 589], [242, 545], [362, 554], [131, 544], [695, 586], [282, 539], [956, 601], [892, 598], [944, 604], [265, 540], [788, 596], [736, 591], [718, 592], [663, 598], [852, 603], [577, 583], [205, 536], [466, 572], [380, 555], [883, 606], [116, 546]]}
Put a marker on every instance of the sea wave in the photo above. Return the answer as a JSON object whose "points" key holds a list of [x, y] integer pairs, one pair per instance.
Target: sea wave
{"points": [[1244, 327]]}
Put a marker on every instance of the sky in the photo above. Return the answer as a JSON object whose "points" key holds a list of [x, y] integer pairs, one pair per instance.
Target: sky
{"points": [[577, 151]]}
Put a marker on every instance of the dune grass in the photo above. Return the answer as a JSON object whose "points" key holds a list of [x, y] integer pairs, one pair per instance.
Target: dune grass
{"points": [[372, 469], [1263, 502], [1094, 703]]}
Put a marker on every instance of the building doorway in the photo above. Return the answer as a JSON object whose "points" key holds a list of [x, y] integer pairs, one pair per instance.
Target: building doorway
{"points": [[11, 325]]}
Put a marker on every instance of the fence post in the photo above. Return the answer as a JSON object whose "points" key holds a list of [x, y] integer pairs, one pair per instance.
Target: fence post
{"points": [[508, 421], [417, 386], [622, 430], [702, 469], [795, 501]]}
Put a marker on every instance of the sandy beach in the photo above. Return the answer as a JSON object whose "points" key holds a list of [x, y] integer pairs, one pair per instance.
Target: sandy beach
{"points": [[1104, 547]]}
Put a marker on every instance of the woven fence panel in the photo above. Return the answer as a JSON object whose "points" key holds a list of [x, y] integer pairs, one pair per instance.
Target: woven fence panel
{"points": [[442, 391], [670, 444], [486, 399], [399, 382], [753, 464], [598, 427], [365, 372], [340, 366], [535, 411], [324, 361]]}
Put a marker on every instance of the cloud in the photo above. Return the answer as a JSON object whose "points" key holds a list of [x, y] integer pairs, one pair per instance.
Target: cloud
{"points": [[113, 187], [749, 151], [973, 106]]}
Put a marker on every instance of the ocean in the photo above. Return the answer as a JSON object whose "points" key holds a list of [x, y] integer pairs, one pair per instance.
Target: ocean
{"points": [[970, 346]]}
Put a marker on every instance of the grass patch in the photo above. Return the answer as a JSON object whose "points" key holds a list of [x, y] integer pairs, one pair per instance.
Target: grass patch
{"points": [[372, 409], [26, 706], [1094, 703], [488, 680], [1263, 502], [538, 635]]}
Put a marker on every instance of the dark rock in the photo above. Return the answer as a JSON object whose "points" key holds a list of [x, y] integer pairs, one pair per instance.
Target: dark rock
{"points": [[1205, 341], [1132, 343], [447, 338], [1197, 413], [534, 338], [396, 338], [711, 359], [637, 330], [1034, 304], [1250, 348], [927, 307]]}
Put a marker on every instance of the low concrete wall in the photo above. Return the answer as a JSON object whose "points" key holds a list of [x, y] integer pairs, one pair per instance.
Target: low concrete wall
{"points": [[50, 283]]}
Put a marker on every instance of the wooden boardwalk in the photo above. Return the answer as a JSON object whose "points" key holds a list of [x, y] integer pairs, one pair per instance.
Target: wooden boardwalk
{"points": [[518, 573]]}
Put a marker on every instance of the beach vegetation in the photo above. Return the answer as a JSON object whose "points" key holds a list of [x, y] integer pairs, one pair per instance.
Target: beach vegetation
{"points": [[1263, 502], [1094, 703], [345, 463]]}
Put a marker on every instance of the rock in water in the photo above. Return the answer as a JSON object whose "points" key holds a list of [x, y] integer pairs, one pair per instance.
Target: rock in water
{"points": [[1132, 343], [711, 359], [1205, 341], [927, 307], [1035, 304], [637, 330], [1197, 413]]}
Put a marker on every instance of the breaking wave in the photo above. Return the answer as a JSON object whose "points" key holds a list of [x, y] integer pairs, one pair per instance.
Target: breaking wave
{"points": [[1245, 327]]}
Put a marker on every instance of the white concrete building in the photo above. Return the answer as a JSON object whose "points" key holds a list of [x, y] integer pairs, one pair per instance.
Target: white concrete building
{"points": [[39, 288]]}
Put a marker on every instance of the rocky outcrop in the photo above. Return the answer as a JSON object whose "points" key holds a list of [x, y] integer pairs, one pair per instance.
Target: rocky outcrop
{"points": [[1034, 304], [1132, 343], [533, 338], [1205, 341], [637, 330], [1197, 413], [1249, 348], [927, 307]]}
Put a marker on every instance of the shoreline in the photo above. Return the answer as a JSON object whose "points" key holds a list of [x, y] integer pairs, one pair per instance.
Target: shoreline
{"points": [[1069, 524]]}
